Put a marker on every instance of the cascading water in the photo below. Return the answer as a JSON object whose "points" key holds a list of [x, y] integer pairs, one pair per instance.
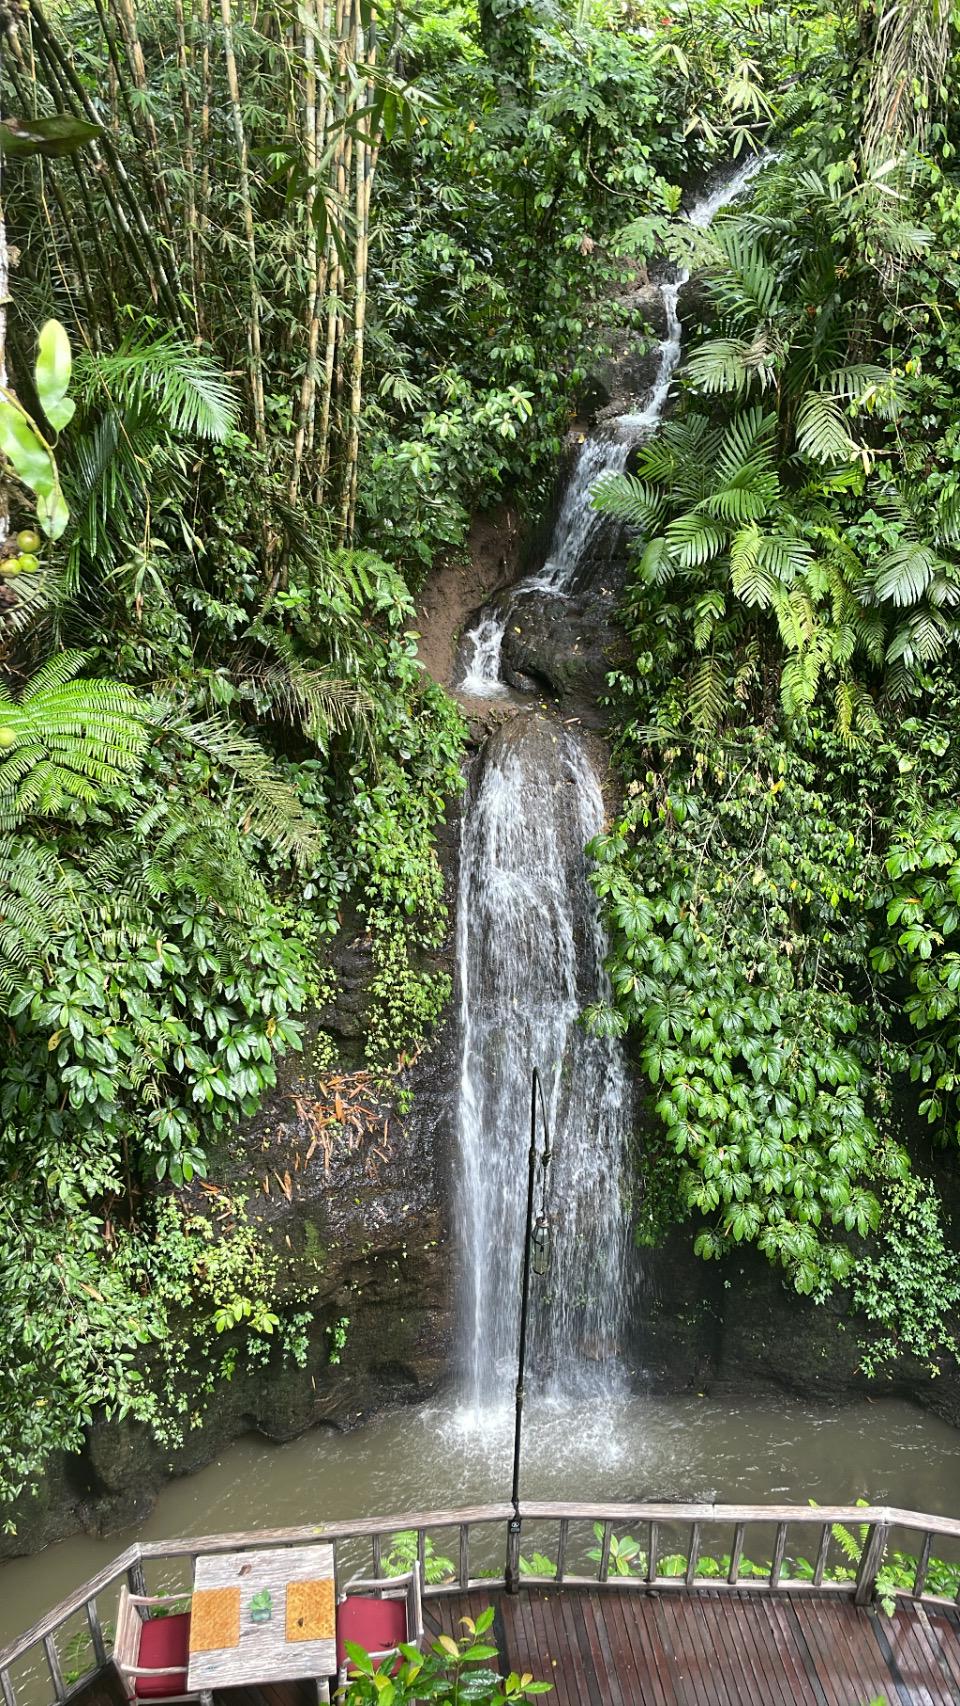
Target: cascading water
{"points": [[531, 950], [578, 522], [530, 955], [577, 526]]}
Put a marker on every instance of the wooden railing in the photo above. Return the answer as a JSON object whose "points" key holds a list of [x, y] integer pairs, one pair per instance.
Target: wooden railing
{"points": [[709, 1531]]}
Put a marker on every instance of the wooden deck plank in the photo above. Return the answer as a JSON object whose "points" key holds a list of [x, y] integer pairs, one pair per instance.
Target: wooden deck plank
{"points": [[601, 1647], [944, 1630], [812, 1672], [914, 1660], [735, 1656], [830, 1666]]}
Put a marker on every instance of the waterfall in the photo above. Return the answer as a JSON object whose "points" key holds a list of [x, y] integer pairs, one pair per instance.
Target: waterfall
{"points": [[530, 949], [578, 524]]}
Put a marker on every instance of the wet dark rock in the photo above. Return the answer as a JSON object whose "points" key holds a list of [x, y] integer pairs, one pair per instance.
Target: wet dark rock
{"points": [[738, 1328], [564, 647], [628, 368]]}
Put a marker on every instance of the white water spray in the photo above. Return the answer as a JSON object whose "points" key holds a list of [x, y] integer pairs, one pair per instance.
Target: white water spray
{"points": [[530, 949]]}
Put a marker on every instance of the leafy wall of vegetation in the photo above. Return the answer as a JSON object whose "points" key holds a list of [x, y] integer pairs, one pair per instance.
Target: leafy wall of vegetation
{"points": [[327, 273], [783, 882]]}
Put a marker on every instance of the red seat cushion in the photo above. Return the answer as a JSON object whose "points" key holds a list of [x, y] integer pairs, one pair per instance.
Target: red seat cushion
{"points": [[164, 1641], [374, 1624]]}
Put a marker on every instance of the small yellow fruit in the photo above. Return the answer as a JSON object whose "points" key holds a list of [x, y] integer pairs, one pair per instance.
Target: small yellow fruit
{"points": [[29, 564], [8, 739], [10, 566], [29, 539]]}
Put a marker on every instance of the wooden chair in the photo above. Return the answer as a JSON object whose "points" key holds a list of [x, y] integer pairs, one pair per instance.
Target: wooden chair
{"points": [[152, 1653], [378, 1615]]}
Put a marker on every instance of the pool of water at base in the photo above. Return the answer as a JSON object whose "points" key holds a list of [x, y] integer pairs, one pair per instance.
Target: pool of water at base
{"points": [[762, 1449]]}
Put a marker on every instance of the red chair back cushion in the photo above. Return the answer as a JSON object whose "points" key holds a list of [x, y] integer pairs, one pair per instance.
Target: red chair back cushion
{"points": [[375, 1624], [164, 1641]]}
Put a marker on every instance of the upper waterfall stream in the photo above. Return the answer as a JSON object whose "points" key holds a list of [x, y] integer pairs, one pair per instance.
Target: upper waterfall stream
{"points": [[578, 523]]}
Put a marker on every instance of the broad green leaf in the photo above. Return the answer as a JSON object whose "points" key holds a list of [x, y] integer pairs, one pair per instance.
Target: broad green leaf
{"points": [[52, 374], [52, 512], [63, 133], [31, 460]]}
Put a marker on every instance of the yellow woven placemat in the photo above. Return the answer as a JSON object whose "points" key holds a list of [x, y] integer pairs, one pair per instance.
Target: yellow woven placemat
{"points": [[215, 1620], [310, 1611]]}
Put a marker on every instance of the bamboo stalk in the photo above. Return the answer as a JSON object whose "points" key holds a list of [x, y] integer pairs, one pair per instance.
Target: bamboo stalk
{"points": [[255, 305], [125, 13], [4, 300], [334, 266], [63, 72], [126, 241], [315, 122], [205, 102], [348, 484], [190, 212], [70, 225]]}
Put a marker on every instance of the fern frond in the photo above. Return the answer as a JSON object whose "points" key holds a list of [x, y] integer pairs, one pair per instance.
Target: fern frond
{"points": [[72, 739]]}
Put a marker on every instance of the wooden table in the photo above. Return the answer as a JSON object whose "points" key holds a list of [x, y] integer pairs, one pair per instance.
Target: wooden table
{"points": [[261, 1617]]}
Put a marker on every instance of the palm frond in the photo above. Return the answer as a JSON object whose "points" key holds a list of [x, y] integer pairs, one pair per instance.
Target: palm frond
{"points": [[749, 285], [165, 378], [628, 499], [268, 805], [695, 539], [707, 689], [821, 432], [904, 574], [731, 364]]}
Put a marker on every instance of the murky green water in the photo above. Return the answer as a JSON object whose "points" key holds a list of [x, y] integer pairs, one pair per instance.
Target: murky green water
{"points": [[773, 1450]]}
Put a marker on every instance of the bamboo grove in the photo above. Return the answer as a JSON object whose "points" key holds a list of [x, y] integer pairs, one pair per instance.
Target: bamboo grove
{"points": [[187, 201]]}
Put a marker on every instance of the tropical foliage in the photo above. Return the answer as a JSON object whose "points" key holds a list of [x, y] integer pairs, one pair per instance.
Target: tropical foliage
{"points": [[780, 881], [294, 290]]}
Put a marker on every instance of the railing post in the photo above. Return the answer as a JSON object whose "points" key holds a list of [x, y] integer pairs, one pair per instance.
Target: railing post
{"points": [[870, 1562], [511, 1574]]}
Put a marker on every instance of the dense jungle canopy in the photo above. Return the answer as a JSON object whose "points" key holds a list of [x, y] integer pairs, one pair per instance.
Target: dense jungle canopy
{"points": [[292, 289]]}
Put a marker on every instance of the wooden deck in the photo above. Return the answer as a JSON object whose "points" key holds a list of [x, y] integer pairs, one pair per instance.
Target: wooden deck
{"points": [[627, 1648], [784, 1634]]}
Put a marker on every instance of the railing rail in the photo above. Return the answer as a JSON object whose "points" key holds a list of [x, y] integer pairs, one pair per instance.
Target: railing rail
{"points": [[707, 1528]]}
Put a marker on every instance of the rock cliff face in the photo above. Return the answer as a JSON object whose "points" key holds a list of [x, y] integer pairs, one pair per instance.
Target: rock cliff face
{"points": [[364, 1238]]}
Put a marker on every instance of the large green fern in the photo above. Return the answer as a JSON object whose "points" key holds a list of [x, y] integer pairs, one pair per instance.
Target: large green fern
{"points": [[69, 738]]}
